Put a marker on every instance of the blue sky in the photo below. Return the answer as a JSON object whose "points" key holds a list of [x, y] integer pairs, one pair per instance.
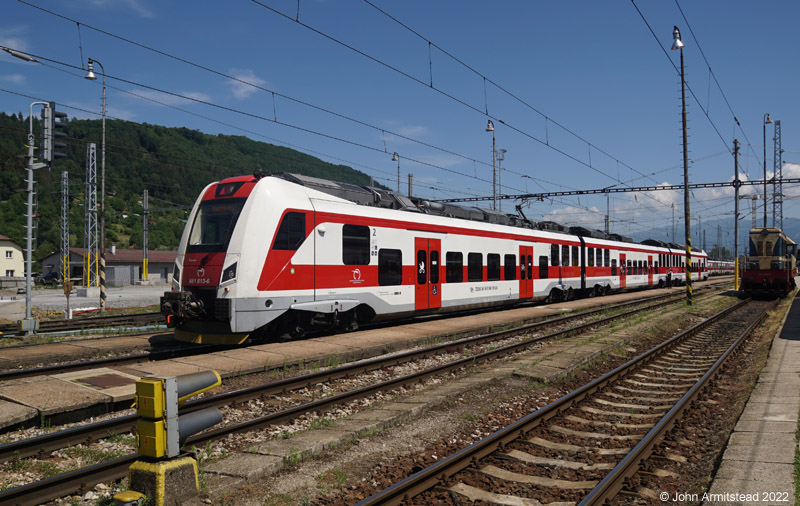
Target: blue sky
{"points": [[592, 67]]}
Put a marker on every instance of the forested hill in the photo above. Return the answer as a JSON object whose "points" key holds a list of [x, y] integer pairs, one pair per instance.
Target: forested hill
{"points": [[173, 164]]}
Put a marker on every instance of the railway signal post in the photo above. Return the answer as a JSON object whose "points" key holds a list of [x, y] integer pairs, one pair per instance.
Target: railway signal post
{"points": [[164, 474]]}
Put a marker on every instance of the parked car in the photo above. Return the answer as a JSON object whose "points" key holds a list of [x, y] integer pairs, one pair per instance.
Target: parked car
{"points": [[52, 278]]}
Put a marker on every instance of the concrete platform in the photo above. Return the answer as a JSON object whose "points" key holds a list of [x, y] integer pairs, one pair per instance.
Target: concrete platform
{"points": [[57, 400], [759, 457]]}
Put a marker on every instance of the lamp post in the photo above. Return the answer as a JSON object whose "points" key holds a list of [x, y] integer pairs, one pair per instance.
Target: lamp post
{"points": [[490, 128], [501, 155], [396, 158], [677, 44], [767, 120], [92, 77]]}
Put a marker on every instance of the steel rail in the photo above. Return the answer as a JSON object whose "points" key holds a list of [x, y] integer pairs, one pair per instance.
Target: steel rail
{"points": [[427, 478], [41, 445], [610, 486], [86, 323], [58, 486]]}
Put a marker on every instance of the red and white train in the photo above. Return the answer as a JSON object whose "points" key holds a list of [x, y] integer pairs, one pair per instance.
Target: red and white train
{"points": [[281, 255]]}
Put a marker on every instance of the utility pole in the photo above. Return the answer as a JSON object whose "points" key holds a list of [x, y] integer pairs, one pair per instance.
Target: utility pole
{"points": [[501, 155], [29, 325], [736, 184], [90, 259], [673, 222], [777, 176], [608, 214], [145, 223], [64, 226]]}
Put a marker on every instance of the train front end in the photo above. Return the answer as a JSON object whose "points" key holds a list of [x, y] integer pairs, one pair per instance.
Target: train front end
{"points": [[770, 264], [200, 305]]}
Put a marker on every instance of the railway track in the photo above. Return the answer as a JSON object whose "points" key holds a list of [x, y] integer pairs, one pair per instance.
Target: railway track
{"points": [[85, 478], [583, 447], [188, 350], [93, 322]]}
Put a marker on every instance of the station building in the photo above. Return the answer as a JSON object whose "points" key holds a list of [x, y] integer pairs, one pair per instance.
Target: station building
{"points": [[123, 266]]}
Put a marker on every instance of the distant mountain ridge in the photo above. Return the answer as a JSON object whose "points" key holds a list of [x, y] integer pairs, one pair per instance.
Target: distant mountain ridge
{"points": [[174, 164]]}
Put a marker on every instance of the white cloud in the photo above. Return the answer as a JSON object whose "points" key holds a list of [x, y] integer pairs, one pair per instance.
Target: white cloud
{"points": [[242, 90], [134, 5], [13, 78], [167, 99], [13, 38], [591, 217]]}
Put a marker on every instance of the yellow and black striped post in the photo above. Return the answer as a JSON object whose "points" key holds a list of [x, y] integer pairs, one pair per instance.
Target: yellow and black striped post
{"points": [[103, 281], [689, 270]]}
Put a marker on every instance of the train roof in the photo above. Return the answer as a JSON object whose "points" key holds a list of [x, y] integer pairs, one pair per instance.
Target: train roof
{"points": [[380, 197]]}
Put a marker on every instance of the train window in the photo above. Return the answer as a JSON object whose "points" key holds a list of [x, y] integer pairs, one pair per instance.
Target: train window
{"points": [[614, 267], [475, 267], [565, 255], [422, 267], [753, 251], [599, 261], [575, 257], [542, 267], [607, 257], [492, 267], [454, 267], [213, 225], [355, 245], [390, 267], [530, 266], [522, 266], [554, 255], [292, 233], [434, 267], [590, 257], [510, 267]]}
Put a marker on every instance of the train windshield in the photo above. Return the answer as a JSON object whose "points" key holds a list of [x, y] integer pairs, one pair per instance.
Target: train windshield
{"points": [[213, 225]]}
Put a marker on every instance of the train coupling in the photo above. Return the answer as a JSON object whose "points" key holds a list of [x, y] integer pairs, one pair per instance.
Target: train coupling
{"points": [[177, 306]]}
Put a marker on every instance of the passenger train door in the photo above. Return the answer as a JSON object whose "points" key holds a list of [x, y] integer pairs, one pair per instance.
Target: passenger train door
{"points": [[428, 288], [623, 270], [525, 272], [650, 270]]}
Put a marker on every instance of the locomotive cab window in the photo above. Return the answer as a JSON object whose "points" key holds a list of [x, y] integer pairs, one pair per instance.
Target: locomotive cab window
{"points": [[291, 233], [390, 267], [213, 225], [355, 245]]}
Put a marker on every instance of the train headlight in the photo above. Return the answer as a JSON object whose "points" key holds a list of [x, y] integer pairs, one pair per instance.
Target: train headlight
{"points": [[229, 273], [176, 273]]}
